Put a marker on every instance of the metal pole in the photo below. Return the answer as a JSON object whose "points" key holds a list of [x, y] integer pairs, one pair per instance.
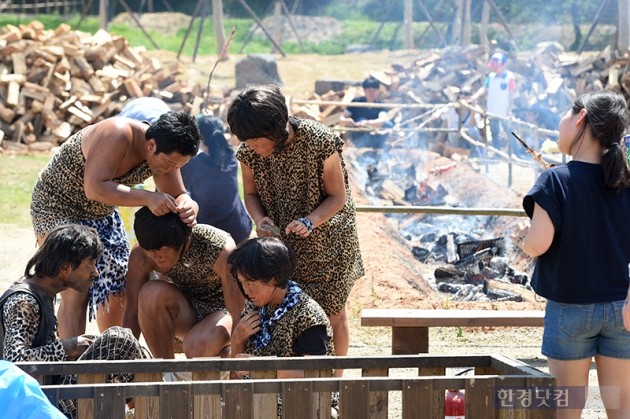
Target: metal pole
{"points": [[440, 210]]}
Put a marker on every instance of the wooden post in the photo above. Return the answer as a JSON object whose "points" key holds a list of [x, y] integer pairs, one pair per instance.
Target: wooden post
{"points": [[408, 19], [466, 24], [456, 34], [277, 25], [483, 27], [623, 26], [219, 31], [102, 13]]}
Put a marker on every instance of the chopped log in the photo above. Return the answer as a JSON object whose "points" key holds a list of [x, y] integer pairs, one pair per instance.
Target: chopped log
{"points": [[13, 94]]}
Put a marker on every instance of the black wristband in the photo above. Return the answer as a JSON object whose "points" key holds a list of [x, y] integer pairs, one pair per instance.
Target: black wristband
{"points": [[308, 223]]}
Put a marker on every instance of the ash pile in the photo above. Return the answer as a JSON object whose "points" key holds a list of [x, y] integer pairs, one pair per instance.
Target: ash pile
{"points": [[471, 256]]}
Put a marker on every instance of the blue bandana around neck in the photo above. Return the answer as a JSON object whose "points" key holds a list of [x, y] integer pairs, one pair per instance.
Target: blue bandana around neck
{"points": [[263, 337]]}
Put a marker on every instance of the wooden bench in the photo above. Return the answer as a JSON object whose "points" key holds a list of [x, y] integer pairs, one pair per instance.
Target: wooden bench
{"points": [[410, 327]]}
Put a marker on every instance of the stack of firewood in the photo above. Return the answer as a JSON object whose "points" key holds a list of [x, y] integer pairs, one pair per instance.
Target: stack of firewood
{"points": [[548, 81], [54, 82]]}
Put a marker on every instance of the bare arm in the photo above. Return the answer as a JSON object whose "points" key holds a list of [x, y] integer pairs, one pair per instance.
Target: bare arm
{"points": [[110, 154], [173, 185], [536, 239], [374, 123], [333, 203], [253, 203], [234, 300], [138, 274], [247, 326]]}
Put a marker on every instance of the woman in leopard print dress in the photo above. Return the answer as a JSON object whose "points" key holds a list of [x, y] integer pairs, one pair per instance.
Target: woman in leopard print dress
{"points": [[91, 174], [294, 178]]}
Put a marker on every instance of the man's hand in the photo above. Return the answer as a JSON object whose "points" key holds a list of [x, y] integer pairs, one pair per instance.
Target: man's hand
{"points": [[160, 203], [187, 210], [75, 346]]}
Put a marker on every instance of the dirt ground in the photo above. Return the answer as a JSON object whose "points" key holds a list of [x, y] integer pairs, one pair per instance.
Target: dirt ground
{"points": [[394, 279]]}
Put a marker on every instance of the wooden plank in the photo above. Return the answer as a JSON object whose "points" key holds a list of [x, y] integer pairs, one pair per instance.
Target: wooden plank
{"points": [[297, 399], [207, 405], [109, 403], [480, 398], [176, 400], [542, 383], [321, 401], [238, 397], [432, 372], [354, 399], [85, 407], [265, 404], [417, 399], [379, 400], [147, 407], [410, 340], [452, 318]]}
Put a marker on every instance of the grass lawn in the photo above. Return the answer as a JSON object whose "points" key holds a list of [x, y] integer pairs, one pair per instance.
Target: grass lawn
{"points": [[18, 175]]}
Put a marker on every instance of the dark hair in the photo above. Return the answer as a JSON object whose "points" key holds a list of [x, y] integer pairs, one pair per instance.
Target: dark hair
{"points": [[607, 117], [155, 232], [220, 152], [175, 131], [260, 111], [371, 83], [265, 259], [70, 243]]}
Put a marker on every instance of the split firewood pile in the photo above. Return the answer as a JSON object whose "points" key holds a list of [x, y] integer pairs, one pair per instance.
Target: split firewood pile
{"points": [[54, 82], [548, 81]]}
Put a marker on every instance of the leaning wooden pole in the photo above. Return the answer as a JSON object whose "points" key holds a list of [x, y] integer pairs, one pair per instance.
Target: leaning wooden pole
{"points": [[593, 25], [503, 21], [262, 27]]}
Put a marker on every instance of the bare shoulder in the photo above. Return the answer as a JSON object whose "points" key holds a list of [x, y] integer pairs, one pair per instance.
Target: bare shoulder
{"points": [[111, 134]]}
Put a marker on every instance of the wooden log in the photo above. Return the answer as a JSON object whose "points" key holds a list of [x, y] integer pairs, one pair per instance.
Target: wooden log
{"points": [[133, 88], [83, 116], [19, 63], [13, 94], [84, 67], [6, 114], [11, 34]]}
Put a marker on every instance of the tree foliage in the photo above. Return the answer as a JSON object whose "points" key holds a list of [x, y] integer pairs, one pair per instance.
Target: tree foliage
{"points": [[531, 11]]}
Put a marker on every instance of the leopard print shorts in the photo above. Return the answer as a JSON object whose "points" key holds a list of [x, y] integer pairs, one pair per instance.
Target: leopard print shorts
{"points": [[112, 265]]}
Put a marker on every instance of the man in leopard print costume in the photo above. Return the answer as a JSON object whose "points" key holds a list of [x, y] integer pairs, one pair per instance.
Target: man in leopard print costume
{"points": [[92, 173], [197, 290], [66, 259], [295, 178]]}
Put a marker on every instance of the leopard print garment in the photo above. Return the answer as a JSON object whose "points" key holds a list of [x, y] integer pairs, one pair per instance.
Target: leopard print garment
{"points": [[194, 276], [285, 331], [21, 319], [291, 185], [58, 195], [59, 198]]}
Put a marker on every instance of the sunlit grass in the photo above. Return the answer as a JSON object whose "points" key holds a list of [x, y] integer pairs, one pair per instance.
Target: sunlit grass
{"points": [[18, 176]]}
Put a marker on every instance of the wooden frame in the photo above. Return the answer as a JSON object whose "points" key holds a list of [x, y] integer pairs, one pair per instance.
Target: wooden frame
{"points": [[360, 397]]}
